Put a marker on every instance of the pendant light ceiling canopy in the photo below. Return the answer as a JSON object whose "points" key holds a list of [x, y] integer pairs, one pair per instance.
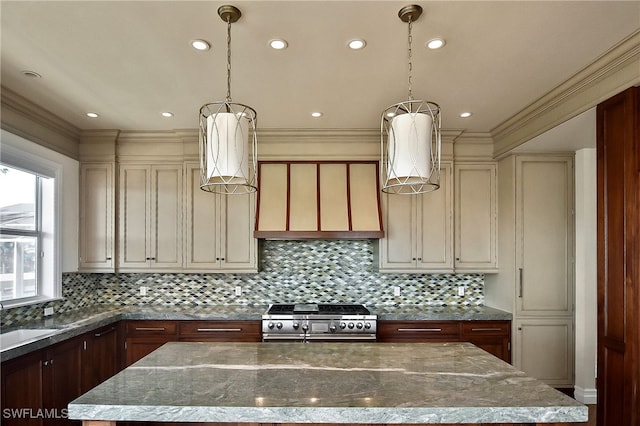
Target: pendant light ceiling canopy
{"points": [[410, 135], [227, 136]]}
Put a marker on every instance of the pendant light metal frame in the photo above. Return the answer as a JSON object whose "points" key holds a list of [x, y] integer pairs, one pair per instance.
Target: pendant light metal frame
{"points": [[228, 161], [421, 178]]}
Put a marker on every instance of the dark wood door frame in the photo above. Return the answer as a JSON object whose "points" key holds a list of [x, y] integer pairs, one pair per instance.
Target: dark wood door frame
{"points": [[618, 137]]}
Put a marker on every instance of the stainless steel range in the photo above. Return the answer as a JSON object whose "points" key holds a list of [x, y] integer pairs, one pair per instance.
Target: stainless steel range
{"points": [[306, 322]]}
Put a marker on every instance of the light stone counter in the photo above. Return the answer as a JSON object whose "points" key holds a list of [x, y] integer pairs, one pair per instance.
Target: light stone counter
{"points": [[382, 383]]}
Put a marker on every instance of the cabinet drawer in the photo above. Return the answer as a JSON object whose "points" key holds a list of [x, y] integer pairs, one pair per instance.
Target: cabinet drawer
{"points": [[218, 330], [151, 328], [416, 331], [485, 328]]}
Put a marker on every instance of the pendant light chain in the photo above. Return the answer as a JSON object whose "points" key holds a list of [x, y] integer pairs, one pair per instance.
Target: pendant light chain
{"points": [[410, 39], [228, 59]]}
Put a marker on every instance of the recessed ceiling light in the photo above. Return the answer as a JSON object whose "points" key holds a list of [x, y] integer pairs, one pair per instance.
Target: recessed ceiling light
{"points": [[31, 74], [465, 114], [357, 44], [316, 114], [435, 43], [92, 115], [167, 114], [278, 44], [200, 44]]}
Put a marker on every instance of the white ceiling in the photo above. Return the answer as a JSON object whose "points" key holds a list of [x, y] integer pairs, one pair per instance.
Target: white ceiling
{"points": [[131, 60]]}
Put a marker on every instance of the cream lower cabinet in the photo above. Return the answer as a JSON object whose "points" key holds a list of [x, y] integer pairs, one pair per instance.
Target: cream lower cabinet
{"points": [[150, 222], [219, 229], [419, 229], [476, 221], [97, 217], [545, 349], [536, 278]]}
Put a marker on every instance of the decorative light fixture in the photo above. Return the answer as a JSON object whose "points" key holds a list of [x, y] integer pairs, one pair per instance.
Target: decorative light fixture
{"points": [[228, 142], [410, 136]]}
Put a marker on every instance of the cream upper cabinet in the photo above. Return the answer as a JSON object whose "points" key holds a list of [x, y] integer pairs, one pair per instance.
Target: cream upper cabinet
{"points": [[476, 218], [544, 235], [150, 222], [219, 229], [97, 217], [419, 229]]}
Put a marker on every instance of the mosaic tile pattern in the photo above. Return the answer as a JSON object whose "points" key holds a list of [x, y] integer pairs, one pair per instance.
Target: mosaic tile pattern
{"points": [[322, 271]]}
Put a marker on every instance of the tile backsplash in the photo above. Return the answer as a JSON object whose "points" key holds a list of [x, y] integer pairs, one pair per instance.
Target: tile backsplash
{"points": [[291, 271]]}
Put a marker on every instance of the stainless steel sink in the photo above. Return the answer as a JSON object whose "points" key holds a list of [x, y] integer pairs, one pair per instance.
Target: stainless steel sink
{"points": [[19, 337]]}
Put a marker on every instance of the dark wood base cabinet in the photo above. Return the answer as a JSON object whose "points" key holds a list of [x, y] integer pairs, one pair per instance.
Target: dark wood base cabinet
{"points": [[492, 336], [37, 387], [145, 336]]}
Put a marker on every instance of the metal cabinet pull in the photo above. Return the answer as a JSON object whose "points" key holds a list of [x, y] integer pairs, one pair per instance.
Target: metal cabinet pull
{"points": [[486, 329], [427, 330], [111, 330], [521, 283], [226, 330], [150, 329]]}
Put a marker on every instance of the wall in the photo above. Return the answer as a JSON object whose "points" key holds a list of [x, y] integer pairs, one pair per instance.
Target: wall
{"points": [[586, 314], [291, 271]]}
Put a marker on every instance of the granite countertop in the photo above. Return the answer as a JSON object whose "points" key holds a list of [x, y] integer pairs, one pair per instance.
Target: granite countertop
{"points": [[74, 323], [325, 383]]}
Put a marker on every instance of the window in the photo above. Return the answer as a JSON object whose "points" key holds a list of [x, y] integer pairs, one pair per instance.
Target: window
{"points": [[29, 265], [20, 231]]}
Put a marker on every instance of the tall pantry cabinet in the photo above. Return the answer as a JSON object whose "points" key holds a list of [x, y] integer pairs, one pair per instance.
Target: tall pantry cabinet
{"points": [[536, 280]]}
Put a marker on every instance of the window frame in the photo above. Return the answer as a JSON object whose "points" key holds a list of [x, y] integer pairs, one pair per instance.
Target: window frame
{"points": [[48, 269]]}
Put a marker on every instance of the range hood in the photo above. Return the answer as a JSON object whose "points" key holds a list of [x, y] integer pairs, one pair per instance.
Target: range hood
{"points": [[318, 199]]}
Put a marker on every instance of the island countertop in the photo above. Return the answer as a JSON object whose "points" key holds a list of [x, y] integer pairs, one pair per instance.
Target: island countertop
{"points": [[381, 383]]}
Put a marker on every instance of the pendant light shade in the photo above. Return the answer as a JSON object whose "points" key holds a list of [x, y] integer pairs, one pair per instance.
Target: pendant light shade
{"points": [[410, 138], [227, 135]]}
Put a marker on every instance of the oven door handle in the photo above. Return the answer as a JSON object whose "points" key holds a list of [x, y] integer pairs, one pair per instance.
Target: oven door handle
{"points": [[338, 337], [272, 337]]}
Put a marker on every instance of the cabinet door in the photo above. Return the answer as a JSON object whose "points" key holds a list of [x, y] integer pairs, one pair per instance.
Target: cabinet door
{"points": [[97, 216], [418, 331], [220, 331], [134, 228], [476, 217], [62, 378], [100, 358], [22, 390], [202, 226], [398, 247], [144, 337], [237, 245], [435, 225], [544, 350], [544, 235], [166, 217]]}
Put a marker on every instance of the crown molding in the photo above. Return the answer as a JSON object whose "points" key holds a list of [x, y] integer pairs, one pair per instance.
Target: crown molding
{"points": [[614, 71], [28, 120]]}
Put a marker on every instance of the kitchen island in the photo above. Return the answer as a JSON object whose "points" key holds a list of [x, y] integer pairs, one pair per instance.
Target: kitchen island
{"points": [[346, 383]]}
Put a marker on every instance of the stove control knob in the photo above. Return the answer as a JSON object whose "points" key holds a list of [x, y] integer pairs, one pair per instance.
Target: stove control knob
{"points": [[333, 328], [296, 325], [367, 325], [343, 325], [350, 325], [305, 327], [359, 325], [270, 325], [279, 325]]}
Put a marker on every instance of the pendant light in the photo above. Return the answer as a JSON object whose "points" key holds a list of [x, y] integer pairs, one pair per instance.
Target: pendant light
{"points": [[227, 136], [410, 136]]}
